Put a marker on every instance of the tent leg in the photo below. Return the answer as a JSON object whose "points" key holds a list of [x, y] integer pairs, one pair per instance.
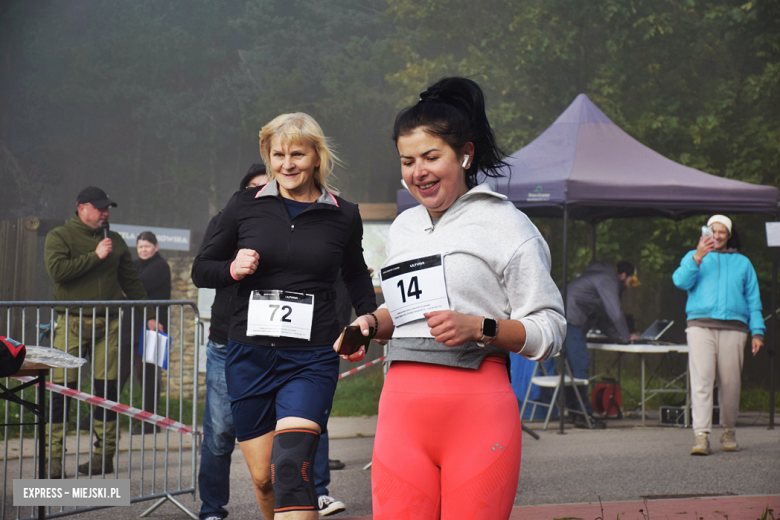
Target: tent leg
{"points": [[565, 274], [771, 341]]}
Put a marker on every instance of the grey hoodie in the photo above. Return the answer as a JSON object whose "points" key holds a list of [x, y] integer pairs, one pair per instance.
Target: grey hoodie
{"points": [[496, 264], [594, 298]]}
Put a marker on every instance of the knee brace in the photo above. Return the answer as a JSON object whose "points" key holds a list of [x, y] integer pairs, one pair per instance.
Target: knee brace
{"points": [[292, 464]]}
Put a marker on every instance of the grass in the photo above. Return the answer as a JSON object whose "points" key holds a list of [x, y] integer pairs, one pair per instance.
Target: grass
{"points": [[162, 409], [750, 399], [124, 421], [359, 394]]}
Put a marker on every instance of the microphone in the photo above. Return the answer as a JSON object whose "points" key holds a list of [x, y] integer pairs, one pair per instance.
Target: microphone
{"points": [[104, 225]]}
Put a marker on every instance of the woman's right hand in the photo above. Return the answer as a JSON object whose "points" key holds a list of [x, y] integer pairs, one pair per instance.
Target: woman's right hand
{"points": [[363, 323], [706, 244], [245, 263]]}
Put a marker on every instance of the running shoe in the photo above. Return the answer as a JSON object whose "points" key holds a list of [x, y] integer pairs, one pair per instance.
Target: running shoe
{"points": [[329, 505]]}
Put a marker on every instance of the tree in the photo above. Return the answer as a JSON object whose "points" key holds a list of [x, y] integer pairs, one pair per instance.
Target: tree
{"points": [[695, 80], [142, 98], [331, 66]]}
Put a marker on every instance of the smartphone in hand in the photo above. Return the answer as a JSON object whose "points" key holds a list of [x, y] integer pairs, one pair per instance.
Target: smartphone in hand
{"points": [[352, 339], [706, 232]]}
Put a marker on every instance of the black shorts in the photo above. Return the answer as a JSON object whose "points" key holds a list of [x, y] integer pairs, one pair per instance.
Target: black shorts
{"points": [[266, 384]]}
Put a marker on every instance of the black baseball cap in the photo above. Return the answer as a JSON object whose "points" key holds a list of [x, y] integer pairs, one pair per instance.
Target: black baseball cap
{"points": [[96, 197]]}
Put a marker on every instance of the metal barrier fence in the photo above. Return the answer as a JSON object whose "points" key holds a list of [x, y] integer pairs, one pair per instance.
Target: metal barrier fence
{"points": [[110, 335]]}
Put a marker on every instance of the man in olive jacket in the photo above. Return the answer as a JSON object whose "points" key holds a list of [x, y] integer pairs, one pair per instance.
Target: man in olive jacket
{"points": [[86, 266]]}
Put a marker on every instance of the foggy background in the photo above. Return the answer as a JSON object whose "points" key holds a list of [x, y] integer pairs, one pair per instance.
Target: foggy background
{"points": [[159, 102]]}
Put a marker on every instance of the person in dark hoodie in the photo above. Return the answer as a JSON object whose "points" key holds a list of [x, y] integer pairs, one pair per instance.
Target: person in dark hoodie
{"points": [[219, 434], [593, 299], [155, 275]]}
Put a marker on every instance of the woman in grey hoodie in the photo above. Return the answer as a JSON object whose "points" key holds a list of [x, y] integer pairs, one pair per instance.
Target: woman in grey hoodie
{"points": [[467, 281]]}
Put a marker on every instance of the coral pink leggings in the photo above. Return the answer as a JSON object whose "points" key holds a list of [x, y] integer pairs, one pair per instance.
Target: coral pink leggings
{"points": [[448, 443]]}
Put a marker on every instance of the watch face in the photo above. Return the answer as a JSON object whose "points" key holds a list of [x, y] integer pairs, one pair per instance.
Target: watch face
{"points": [[489, 327]]}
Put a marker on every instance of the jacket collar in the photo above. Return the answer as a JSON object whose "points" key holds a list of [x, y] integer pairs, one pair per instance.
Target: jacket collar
{"points": [[79, 226], [272, 190], [484, 189]]}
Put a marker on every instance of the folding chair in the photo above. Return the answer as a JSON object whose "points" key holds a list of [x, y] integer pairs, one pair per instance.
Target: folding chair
{"points": [[548, 381]]}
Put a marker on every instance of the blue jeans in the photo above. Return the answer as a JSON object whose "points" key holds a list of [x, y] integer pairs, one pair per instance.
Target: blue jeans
{"points": [[579, 361], [219, 437]]}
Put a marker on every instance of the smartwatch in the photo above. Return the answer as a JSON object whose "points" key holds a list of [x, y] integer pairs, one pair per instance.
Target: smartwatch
{"points": [[489, 331]]}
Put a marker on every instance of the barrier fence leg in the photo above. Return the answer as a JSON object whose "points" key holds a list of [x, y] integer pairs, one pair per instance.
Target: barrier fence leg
{"points": [[175, 502], [41, 439]]}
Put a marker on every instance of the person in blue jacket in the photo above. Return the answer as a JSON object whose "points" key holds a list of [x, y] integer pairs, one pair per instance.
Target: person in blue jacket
{"points": [[723, 307]]}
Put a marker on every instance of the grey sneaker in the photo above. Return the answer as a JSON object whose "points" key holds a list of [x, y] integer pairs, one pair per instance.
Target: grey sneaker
{"points": [[702, 446], [329, 505], [728, 442]]}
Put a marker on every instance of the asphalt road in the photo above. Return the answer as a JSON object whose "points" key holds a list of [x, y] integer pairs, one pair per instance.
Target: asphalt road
{"points": [[617, 464]]}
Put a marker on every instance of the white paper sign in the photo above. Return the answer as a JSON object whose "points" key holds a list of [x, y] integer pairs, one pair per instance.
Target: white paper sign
{"points": [[153, 346], [773, 234], [280, 313], [413, 288]]}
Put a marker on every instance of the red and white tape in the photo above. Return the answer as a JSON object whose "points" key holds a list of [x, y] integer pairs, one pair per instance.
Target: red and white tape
{"points": [[143, 415], [115, 407], [354, 370]]}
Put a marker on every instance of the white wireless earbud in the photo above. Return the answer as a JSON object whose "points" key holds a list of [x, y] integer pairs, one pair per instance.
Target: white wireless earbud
{"points": [[465, 160]]}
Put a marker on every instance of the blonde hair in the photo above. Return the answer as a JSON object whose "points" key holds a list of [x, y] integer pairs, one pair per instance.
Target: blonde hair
{"points": [[300, 128]]}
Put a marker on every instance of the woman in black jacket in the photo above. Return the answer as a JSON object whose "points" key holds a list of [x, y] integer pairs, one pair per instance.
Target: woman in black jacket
{"points": [[292, 236], [155, 275]]}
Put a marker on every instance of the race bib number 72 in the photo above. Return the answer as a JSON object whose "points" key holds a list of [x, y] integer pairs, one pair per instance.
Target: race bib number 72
{"points": [[280, 313], [414, 287]]}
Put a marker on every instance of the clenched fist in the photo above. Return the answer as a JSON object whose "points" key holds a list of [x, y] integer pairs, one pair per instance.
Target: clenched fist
{"points": [[245, 263]]}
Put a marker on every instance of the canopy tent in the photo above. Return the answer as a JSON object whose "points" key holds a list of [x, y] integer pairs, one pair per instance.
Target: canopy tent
{"points": [[585, 162], [585, 167]]}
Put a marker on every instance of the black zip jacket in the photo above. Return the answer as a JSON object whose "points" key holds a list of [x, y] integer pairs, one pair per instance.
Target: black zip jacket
{"points": [[303, 255], [225, 298], [155, 275]]}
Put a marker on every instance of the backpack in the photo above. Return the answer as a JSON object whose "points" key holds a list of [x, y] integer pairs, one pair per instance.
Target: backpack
{"points": [[11, 356], [606, 399]]}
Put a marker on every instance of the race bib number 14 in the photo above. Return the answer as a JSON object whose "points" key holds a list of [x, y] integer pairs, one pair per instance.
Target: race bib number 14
{"points": [[413, 288], [280, 313]]}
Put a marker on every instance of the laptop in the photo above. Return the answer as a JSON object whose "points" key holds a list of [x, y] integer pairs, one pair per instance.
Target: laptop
{"points": [[654, 331], [651, 334]]}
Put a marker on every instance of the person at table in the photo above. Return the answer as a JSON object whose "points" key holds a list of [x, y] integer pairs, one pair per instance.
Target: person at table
{"points": [[291, 236], [593, 299], [466, 281], [724, 306]]}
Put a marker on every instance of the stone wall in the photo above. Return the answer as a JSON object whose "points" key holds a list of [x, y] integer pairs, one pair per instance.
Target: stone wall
{"points": [[182, 288]]}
